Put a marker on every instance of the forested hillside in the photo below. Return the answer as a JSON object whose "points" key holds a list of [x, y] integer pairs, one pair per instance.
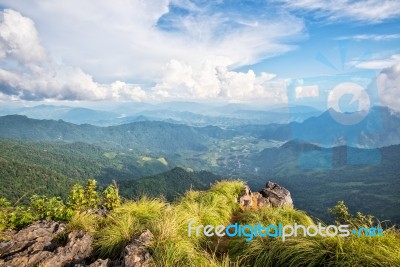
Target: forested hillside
{"points": [[32, 167], [169, 184], [142, 136]]}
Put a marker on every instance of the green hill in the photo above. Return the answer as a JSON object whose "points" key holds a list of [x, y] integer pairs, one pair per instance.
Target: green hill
{"points": [[139, 136], [50, 168], [168, 184]]}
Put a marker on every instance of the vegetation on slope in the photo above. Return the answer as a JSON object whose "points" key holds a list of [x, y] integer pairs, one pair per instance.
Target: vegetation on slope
{"points": [[168, 184], [172, 246], [28, 168]]}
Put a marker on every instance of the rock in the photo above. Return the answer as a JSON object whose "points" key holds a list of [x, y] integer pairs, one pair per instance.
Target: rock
{"points": [[101, 263], [272, 195], [246, 199], [37, 245], [136, 253], [260, 200], [277, 195], [31, 245], [77, 249], [97, 263]]}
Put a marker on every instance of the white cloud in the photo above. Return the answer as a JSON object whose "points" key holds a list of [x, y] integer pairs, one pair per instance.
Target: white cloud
{"points": [[121, 40], [35, 76], [369, 37], [370, 11], [19, 39], [212, 80], [389, 87], [378, 64], [307, 91]]}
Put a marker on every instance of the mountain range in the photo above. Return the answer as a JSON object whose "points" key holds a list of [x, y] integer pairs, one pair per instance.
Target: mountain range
{"points": [[143, 155]]}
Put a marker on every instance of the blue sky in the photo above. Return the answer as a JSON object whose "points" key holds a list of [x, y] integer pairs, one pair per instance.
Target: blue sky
{"points": [[163, 50]]}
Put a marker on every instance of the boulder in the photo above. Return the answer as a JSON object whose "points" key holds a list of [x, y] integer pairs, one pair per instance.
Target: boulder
{"points": [[38, 245], [31, 245], [77, 249], [246, 199], [136, 253], [272, 195], [277, 195]]}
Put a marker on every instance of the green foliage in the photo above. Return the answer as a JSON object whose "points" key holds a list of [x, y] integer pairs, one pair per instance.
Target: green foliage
{"points": [[171, 245], [80, 198], [28, 168], [169, 184], [4, 207], [77, 210], [343, 216], [319, 251], [19, 217], [270, 215], [76, 197], [123, 222], [86, 220], [111, 198], [45, 208]]}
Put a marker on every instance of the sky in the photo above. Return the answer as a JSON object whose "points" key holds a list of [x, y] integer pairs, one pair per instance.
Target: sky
{"points": [[269, 52]]}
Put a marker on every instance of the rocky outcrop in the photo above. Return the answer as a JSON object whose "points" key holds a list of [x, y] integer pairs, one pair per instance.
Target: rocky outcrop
{"points": [[31, 245], [277, 195], [136, 253], [272, 195], [77, 249], [40, 244]]}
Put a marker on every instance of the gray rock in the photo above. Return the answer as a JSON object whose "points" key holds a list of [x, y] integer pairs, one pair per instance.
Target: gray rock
{"points": [[246, 200], [37, 245], [136, 253], [77, 249], [31, 245], [272, 195], [277, 195]]}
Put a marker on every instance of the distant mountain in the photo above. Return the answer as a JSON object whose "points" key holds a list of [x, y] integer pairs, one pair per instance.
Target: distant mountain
{"points": [[169, 184], [367, 179], [75, 115], [142, 136], [380, 127], [190, 113]]}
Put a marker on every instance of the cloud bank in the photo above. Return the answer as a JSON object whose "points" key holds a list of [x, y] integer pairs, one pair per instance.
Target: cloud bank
{"points": [[123, 42], [389, 87]]}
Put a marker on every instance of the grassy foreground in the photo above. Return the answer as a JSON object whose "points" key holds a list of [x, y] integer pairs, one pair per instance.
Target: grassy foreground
{"points": [[173, 247]]}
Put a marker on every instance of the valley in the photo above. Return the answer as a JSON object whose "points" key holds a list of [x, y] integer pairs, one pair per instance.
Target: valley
{"points": [[134, 154]]}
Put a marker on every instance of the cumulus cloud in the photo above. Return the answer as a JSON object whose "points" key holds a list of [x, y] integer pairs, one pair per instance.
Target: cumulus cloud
{"points": [[113, 43], [389, 87], [370, 11], [19, 39], [28, 73], [307, 91], [135, 39], [213, 80]]}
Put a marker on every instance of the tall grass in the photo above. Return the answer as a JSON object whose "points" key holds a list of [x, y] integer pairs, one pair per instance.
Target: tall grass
{"points": [[124, 222], [172, 247], [319, 251]]}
